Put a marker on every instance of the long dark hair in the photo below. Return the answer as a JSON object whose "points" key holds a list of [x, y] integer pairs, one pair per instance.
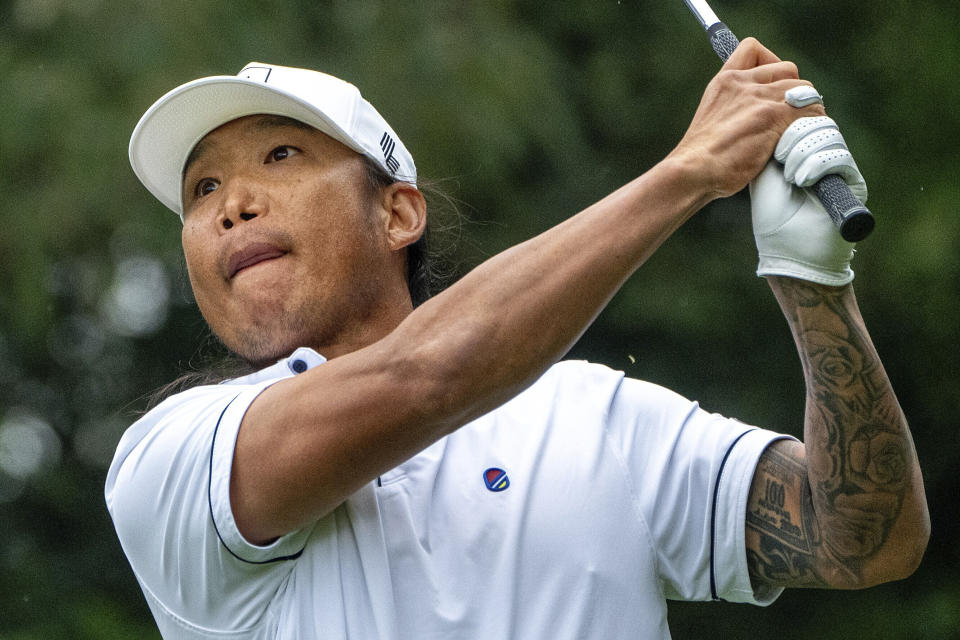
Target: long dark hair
{"points": [[429, 271]]}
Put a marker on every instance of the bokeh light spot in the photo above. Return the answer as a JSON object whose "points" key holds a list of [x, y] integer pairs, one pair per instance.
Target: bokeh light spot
{"points": [[28, 444], [136, 304]]}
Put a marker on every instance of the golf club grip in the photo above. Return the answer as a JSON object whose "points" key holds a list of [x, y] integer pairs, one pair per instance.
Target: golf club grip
{"points": [[852, 218], [723, 40]]}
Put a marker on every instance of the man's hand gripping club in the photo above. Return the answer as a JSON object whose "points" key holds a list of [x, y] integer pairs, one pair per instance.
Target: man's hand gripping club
{"points": [[740, 118], [795, 236]]}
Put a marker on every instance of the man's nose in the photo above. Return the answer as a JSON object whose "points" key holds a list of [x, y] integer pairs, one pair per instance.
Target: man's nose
{"points": [[241, 203]]}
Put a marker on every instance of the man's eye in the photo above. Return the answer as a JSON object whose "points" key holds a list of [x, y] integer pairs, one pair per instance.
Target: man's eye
{"points": [[282, 153], [206, 187]]}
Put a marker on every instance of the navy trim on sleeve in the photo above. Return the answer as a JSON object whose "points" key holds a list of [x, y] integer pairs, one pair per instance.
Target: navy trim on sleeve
{"points": [[210, 499], [713, 514]]}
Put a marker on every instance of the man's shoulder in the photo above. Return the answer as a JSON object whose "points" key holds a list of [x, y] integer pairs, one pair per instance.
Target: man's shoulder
{"points": [[587, 391], [581, 372], [581, 379], [182, 411], [178, 428]]}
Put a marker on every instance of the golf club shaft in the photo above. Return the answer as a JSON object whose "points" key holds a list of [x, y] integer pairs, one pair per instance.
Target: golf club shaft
{"points": [[849, 214]]}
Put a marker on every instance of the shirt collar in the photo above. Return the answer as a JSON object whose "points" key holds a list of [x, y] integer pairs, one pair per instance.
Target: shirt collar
{"points": [[299, 361]]}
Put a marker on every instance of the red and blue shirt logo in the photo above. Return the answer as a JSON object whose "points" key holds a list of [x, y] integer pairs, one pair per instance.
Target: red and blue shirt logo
{"points": [[496, 479]]}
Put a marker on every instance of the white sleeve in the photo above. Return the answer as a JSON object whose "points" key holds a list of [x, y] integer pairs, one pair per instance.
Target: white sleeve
{"points": [[168, 493], [692, 472]]}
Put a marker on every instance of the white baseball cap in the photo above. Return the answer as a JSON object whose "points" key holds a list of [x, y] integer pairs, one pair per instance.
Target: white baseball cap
{"points": [[171, 128]]}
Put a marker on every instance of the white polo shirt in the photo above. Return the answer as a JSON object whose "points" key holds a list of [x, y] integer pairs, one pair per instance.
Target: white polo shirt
{"points": [[573, 511]]}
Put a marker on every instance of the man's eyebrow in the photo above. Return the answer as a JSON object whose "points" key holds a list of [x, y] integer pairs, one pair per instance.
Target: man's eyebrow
{"points": [[263, 123]]}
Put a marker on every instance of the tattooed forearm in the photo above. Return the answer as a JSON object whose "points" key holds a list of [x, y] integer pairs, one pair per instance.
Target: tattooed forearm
{"points": [[819, 523]]}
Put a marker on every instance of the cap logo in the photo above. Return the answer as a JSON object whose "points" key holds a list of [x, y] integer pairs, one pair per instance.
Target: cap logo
{"points": [[496, 479], [260, 74], [387, 145]]}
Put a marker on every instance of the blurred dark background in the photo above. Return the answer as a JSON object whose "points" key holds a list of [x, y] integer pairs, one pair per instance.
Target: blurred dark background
{"points": [[527, 112]]}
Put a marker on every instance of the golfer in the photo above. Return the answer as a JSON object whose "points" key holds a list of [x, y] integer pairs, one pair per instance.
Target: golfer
{"points": [[394, 470]]}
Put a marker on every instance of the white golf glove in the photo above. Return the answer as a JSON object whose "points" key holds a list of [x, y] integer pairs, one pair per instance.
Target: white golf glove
{"points": [[795, 235]]}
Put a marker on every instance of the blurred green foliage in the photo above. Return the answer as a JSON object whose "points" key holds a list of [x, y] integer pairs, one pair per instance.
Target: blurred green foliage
{"points": [[527, 111]]}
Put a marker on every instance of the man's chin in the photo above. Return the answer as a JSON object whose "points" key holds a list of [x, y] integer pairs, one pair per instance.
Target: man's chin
{"points": [[260, 349]]}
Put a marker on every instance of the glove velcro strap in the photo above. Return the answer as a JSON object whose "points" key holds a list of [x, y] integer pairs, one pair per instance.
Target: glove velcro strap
{"points": [[783, 266]]}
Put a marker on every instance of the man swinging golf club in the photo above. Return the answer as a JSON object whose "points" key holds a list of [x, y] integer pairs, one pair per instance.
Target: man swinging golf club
{"points": [[394, 470]]}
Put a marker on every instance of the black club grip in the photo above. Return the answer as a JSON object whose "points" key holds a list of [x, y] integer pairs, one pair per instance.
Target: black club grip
{"points": [[852, 218]]}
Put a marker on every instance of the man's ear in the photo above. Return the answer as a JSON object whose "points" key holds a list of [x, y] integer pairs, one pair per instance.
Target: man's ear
{"points": [[407, 214]]}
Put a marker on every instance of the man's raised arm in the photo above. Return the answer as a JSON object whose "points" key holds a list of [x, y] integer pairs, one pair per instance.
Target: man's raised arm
{"points": [[847, 508]]}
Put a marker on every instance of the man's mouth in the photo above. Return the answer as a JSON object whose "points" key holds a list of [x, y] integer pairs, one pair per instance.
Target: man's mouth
{"points": [[252, 255]]}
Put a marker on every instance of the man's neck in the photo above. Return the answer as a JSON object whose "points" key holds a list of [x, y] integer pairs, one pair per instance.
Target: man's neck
{"points": [[378, 326]]}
